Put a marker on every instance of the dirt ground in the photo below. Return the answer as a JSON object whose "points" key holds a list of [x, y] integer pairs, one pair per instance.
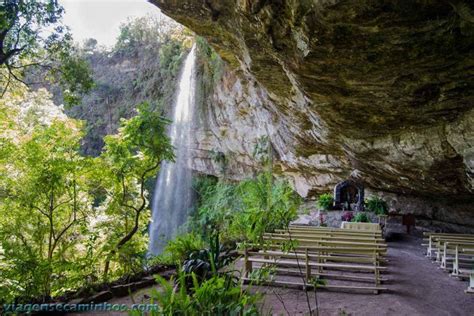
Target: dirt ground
{"points": [[416, 287]]}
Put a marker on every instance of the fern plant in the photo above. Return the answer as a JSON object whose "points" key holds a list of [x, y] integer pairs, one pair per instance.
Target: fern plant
{"points": [[325, 201], [219, 295], [377, 205], [361, 218]]}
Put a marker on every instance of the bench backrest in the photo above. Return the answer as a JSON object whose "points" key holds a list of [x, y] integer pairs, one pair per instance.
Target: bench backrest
{"points": [[332, 231], [361, 226], [326, 237], [326, 242]]}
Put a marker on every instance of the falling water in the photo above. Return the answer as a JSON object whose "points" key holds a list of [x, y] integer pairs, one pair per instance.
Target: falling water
{"points": [[173, 196]]}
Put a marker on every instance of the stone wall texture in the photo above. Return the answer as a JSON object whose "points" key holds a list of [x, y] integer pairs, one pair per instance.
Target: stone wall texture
{"points": [[378, 91]]}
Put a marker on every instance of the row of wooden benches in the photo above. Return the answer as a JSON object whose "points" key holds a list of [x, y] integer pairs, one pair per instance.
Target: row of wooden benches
{"points": [[454, 253], [328, 253]]}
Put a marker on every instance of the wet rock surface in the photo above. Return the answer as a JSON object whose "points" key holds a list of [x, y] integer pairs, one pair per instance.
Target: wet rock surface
{"points": [[380, 91]]}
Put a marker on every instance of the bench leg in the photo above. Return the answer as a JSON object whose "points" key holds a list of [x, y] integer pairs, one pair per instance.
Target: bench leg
{"points": [[308, 267], [438, 254], [456, 262], [247, 263], [320, 268], [376, 270], [444, 257], [470, 289], [429, 250]]}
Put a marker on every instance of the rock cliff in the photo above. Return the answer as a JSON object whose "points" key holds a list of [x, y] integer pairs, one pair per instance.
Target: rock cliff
{"points": [[380, 91]]}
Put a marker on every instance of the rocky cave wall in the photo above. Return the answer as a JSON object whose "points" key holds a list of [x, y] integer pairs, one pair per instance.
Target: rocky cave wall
{"points": [[379, 91]]}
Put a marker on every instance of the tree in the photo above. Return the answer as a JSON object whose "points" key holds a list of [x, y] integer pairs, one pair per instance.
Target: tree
{"points": [[31, 35], [20, 25], [45, 202], [64, 216], [130, 158], [90, 45]]}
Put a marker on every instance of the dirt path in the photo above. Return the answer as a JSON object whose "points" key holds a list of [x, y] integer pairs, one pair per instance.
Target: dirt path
{"points": [[417, 287]]}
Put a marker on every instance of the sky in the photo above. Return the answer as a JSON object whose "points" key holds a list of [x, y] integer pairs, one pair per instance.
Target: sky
{"points": [[101, 19]]}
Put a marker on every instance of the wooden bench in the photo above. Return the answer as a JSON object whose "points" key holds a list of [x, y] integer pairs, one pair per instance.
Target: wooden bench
{"points": [[361, 226], [326, 236], [329, 233], [451, 252], [333, 229], [470, 288], [453, 248], [433, 237], [463, 272], [435, 240], [315, 251], [307, 286], [328, 242], [342, 232], [315, 264]]}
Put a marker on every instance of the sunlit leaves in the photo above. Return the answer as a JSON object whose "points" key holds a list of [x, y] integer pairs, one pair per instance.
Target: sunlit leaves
{"points": [[62, 213]]}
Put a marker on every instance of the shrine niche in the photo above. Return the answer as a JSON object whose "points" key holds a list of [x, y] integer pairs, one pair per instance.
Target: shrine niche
{"points": [[349, 195]]}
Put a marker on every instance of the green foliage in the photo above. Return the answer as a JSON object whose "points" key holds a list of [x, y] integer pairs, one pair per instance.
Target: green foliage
{"points": [[24, 48], [361, 218], [129, 159], [218, 202], [325, 201], [170, 58], [76, 78], [266, 205], [209, 261], [68, 219], [45, 205], [262, 275], [142, 67], [317, 281], [219, 295], [246, 210], [22, 22], [180, 248], [377, 205], [212, 62]]}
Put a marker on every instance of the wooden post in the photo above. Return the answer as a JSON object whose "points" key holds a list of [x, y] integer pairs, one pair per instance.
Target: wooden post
{"points": [[456, 261], [438, 252], [377, 272], [247, 263], [428, 251], [470, 289], [444, 256], [308, 267]]}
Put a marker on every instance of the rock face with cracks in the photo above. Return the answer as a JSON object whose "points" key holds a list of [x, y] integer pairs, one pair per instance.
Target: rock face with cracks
{"points": [[379, 91]]}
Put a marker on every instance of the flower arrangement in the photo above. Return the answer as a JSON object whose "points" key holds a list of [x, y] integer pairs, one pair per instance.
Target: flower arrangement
{"points": [[347, 216]]}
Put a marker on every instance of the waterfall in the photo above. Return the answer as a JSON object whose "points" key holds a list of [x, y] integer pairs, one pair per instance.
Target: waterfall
{"points": [[173, 195]]}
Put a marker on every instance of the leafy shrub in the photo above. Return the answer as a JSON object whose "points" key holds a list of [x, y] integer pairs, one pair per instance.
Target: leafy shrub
{"points": [[246, 210], [361, 218], [347, 216], [212, 62], [217, 203], [325, 201], [267, 205], [179, 249], [207, 262], [377, 205], [219, 295]]}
